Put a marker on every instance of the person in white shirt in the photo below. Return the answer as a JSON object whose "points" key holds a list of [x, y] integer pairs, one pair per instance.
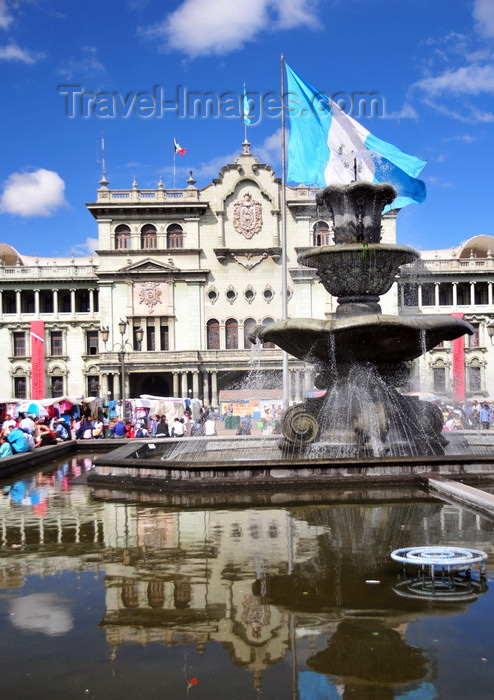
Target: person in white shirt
{"points": [[27, 424], [178, 428], [9, 421]]}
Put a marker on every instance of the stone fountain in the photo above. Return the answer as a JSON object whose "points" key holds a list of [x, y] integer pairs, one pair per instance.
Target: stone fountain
{"points": [[361, 355]]}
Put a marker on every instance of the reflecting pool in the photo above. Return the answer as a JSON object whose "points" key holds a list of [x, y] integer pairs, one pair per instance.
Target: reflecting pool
{"points": [[264, 596]]}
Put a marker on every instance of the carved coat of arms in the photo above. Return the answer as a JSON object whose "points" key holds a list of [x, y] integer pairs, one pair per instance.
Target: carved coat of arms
{"points": [[247, 216], [150, 294]]}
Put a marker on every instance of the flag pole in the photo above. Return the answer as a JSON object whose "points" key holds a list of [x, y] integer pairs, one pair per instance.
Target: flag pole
{"points": [[174, 166], [245, 123], [284, 261]]}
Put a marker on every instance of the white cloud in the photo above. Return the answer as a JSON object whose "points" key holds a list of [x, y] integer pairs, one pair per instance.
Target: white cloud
{"points": [[201, 27], [483, 13], [87, 63], [472, 79], [37, 193], [12, 52], [5, 16], [270, 149], [89, 247], [406, 112]]}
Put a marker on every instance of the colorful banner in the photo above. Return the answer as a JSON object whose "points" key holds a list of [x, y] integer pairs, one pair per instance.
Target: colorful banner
{"points": [[458, 365], [37, 359]]}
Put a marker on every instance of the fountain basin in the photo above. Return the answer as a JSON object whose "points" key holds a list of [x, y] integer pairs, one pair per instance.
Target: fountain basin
{"points": [[358, 272], [374, 338]]}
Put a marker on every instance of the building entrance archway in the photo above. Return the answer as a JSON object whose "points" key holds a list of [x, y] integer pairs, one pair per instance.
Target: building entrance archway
{"points": [[155, 384]]}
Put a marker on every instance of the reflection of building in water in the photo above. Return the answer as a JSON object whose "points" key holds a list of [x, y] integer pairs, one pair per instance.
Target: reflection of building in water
{"points": [[189, 577], [250, 579]]}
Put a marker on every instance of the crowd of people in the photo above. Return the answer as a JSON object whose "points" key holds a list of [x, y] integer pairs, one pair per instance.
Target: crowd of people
{"points": [[27, 432], [469, 415]]}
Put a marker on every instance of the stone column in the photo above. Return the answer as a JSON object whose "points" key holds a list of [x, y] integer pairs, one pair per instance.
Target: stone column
{"points": [[55, 302], [184, 393], [205, 389], [455, 294], [175, 384], [103, 380], [436, 294], [72, 301], [18, 301], [472, 293], [489, 293], [1, 304], [221, 228], [91, 302], [36, 303], [419, 296], [195, 385], [298, 386], [214, 389]]}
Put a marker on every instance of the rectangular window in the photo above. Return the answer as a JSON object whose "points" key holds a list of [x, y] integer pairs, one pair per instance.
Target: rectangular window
{"points": [[20, 387], [20, 344], [439, 378], [164, 340], [92, 342], [56, 343], [56, 387], [474, 379], [150, 338], [93, 385], [474, 340]]}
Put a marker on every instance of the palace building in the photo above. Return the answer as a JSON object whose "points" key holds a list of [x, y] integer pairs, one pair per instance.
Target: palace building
{"points": [[180, 278]]}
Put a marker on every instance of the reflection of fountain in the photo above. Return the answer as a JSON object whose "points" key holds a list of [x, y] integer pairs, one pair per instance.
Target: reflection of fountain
{"points": [[361, 354]]}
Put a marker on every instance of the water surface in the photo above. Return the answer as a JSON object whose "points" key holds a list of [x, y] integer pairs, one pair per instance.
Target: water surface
{"points": [[110, 597]]}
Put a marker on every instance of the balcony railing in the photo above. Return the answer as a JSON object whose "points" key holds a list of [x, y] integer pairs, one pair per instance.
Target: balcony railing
{"points": [[60, 272]]}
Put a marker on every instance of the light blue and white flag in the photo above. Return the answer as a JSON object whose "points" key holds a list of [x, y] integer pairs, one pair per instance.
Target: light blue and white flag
{"points": [[246, 109], [327, 146]]}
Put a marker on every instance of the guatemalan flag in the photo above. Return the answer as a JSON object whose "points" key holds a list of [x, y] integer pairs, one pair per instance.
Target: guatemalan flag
{"points": [[246, 109], [326, 146]]}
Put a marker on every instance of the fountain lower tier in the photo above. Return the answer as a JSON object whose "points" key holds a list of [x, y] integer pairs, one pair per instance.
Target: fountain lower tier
{"points": [[375, 338]]}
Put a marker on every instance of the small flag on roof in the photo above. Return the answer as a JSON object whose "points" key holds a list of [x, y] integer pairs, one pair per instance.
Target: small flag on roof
{"points": [[178, 148]]}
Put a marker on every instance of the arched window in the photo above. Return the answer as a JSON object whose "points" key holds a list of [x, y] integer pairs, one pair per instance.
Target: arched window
{"points": [[148, 237], [231, 334], [267, 322], [174, 236], [320, 234], [249, 324], [213, 333], [122, 237]]}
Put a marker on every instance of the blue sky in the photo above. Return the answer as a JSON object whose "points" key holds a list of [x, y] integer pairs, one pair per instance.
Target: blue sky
{"points": [[431, 63]]}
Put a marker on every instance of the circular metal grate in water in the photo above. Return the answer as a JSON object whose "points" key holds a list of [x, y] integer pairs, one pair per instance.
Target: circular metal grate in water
{"points": [[446, 557], [444, 573]]}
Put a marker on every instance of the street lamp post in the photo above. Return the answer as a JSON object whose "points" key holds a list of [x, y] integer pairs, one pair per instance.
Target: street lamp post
{"points": [[120, 348]]}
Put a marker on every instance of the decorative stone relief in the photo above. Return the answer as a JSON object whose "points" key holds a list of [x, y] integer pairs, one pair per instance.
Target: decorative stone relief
{"points": [[153, 296], [247, 216], [248, 260]]}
